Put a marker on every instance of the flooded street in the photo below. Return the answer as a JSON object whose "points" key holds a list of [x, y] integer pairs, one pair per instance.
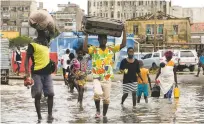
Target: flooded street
{"points": [[17, 106]]}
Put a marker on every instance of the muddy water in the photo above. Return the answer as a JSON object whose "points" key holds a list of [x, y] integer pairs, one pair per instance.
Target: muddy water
{"points": [[17, 106]]}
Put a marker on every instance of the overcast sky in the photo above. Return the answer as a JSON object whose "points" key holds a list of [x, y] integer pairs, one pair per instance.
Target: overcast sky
{"points": [[52, 4]]}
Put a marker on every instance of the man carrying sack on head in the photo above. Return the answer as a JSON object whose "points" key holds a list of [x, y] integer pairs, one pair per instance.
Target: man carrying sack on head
{"points": [[42, 66]]}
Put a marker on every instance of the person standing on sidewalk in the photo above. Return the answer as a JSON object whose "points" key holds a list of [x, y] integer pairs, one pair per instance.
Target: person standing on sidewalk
{"points": [[102, 68], [64, 63], [17, 60], [130, 67], [41, 71]]}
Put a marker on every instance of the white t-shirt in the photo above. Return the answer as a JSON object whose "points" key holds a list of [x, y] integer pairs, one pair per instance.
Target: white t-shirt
{"points": [[65, 58]]}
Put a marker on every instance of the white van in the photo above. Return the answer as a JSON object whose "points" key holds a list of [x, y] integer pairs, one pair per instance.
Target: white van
{"points": [[186, 59]]}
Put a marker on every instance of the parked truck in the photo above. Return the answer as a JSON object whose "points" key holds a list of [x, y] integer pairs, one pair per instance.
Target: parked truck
{"points": [[5, 61]]}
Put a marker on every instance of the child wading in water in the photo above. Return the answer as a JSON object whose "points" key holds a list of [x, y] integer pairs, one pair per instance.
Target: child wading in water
{"points": [[167, 75], [143, 85], [79, 79]]}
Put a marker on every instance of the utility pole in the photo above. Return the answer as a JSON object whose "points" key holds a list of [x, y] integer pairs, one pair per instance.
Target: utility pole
{"points": [[155, 28]]}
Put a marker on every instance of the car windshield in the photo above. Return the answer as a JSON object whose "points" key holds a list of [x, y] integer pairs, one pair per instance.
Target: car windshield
{"points": [[186, 54]]}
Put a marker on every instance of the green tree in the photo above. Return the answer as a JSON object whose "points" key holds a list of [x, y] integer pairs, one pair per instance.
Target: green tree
{"points": [[19, 41]]}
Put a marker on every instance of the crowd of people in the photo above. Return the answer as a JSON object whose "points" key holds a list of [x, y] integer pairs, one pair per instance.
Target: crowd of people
{"points": [[135, 77]]}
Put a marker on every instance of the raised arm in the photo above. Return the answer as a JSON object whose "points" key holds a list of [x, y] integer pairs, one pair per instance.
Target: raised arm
{"points": [[123, 44], [85, 44]]}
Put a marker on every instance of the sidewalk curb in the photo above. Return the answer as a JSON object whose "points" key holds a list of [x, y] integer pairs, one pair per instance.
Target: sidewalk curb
{"points": [[21, 78]]}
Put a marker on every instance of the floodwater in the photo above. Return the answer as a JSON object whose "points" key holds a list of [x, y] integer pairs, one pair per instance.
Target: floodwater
{"points": [[17, 106]]}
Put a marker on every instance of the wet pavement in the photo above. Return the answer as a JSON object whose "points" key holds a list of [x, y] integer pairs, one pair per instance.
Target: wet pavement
{"points": [[17, 106]]}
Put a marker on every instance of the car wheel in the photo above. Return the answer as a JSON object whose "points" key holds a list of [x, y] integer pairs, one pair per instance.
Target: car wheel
{"points": [[192, 68]]}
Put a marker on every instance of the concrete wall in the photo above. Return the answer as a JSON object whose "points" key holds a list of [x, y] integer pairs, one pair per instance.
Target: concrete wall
{"points": [[197, 32], [69, 13], [18, 11], [196, 14]]}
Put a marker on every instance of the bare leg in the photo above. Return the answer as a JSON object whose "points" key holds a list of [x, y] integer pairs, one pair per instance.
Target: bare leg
{"points": [[97, 104], [50, 106], [37, 106], [134, 98], [146, 99], [198, 72], [138, 99], [124, 97]]}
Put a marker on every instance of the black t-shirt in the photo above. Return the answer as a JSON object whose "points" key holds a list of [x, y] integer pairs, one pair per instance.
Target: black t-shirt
{"points": [[45, 70], [133, 69], [18, 56]]}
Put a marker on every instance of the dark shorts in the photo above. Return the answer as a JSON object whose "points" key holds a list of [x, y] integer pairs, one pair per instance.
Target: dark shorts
{"points": [[42, 83]]}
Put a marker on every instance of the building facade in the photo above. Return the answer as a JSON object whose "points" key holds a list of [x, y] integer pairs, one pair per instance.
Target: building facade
{"points": [[168, 28], [40, 6], [14, 13], [68, 17], [197, 32], [196, 14], [123, 9]]}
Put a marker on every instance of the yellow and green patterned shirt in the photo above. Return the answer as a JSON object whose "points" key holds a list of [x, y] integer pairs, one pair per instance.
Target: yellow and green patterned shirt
{"points": [[102, 61]]}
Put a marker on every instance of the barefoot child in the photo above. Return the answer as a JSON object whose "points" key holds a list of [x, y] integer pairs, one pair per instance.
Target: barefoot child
{"points": [[143, 85], [80, 81]]}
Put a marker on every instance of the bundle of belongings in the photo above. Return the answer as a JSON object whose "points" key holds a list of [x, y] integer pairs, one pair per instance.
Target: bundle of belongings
{"points": [[42, 20], [102, 26]]}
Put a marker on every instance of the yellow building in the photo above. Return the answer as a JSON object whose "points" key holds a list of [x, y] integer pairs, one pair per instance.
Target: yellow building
{"points": [[9, 34], [168, 28]]}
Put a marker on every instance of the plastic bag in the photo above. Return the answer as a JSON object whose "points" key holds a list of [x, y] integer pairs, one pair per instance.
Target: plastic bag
{"points": [[78, 43], [97, 88], [28, 81]]}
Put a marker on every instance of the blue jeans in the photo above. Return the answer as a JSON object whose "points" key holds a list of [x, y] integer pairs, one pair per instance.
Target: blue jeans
{"points": [[169, 93], [18, 67]]}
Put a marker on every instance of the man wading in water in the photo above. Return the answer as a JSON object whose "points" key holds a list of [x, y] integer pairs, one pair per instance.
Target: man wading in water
{"points": [[38, 51], [102, 62]]}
